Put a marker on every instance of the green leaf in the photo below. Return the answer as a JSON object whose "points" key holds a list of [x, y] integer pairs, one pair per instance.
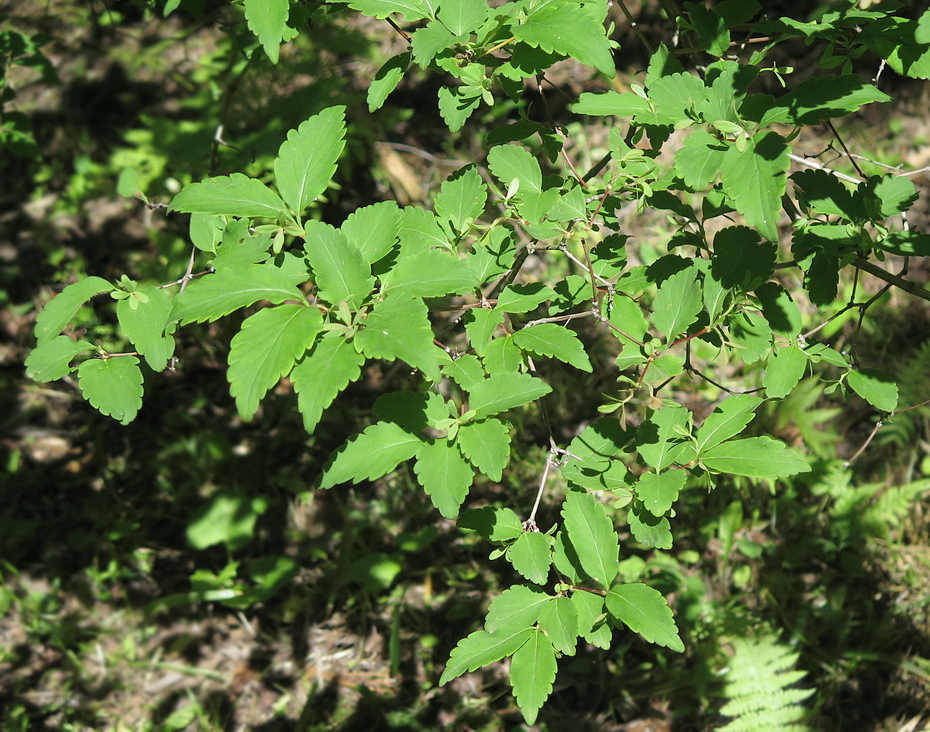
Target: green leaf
{"points": [[516, 608], [339, 269], [456, 108], [895, 193], [648, 529], [523, 298], [675, 96], [431, 273], [444, 475], [373, 230], [233, 195], [876, 387], [412, 410], [307, 158], [267, 19], [51, 359], [531, 555], [750, 331], [659, 437], [677, 303], [613, 103], [463, 16], [461, 197], [411, 9], [643, 610], [591, 534], [504, 391], [386, 80], [493, 254], [741, 260], [207, 231], [465, 371], [324, 372], [727, 420], [399, 328], [429, 41], [554, 341], [754, 457], [486, 444], [569, 28], [658, 491], [420, 230], [532, 671], [65, 305], [499, 525], [482, 649], [218, 294], [145, 324], [699, 160], [516, 166], [783, 371], [266, 348], [480, 324], [823, 97], [371, 454], [755, 180], [113, 386]]}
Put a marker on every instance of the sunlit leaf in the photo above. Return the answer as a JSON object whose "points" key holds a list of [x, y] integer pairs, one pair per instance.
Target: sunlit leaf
{"points": [[113, 386], [643, 610]]}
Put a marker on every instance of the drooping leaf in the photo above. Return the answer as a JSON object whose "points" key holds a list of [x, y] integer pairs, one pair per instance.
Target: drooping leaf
{"points": [[754, 457], [266, 348], [233, 195], [532, 672], [51, 359], [531, 556], [339, 269], [324, 372], [677, 303], [784, 370], [307, 158], [754, 180], [482, 649], [644, 610], [499, 525], [500, 392], [267, 19], [461, 198], [569, 28], [728, 419], [658, 491], [386, 80], [486, 444], [444, 474], [399, 328], [64, 306], [113, 386], [876, 387], [145, 323], [823, 97], [554, 341], [218, 294], [373, 230], [371, 454], [592, 536], [516, 608]]}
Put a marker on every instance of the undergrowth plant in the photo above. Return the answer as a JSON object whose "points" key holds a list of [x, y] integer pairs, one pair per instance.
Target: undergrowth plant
{"points": [[759, 239]]}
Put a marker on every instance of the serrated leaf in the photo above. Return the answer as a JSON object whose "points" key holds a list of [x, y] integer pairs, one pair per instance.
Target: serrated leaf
{"points": [[218, 294], [658, 491], [445, 475], [532, 671], [399, 328], [823, 97], [727, 420], [429, 40], [675, 96], [339, 269], [482, 649], [754, 457], [659, 437], [307, 159], [699, 160], [516, 608], [486, 444], [499, 525], [571, 29], [554, 341], [592, 535], [463, 16], [588, 607], [648, 529], [618, 104], [501, 356], [511, 163], [461, 198], [644, 610], [386, 80], [465, 371], [324, 372], [456, 108], [373, 230], [207, 231], [504, 391], [267, 19], [412, 410], [64, 306], [754, 180], [233, 195], [51, 359], [531, 556], [411, 9], [113, 386], [895, 194], [371, 454], [431, 273], [266, 348], [783, 371], [741, 261], [145, 324], [480, 324], [420, 230], [677, 303], [876, 387], [523, 298]]}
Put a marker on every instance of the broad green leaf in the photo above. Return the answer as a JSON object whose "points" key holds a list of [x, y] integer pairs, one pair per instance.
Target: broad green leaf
{"points": [[218, 294], [371, 454], [429, 41], [266, 348], [463, 16], [267, 19], [699, 160], [662, 63], [711, 30], [227, 518], [875, 387], [783, 371], [592, 535], [569, 28], [499, 525], [307, 158], [824, 193], [51, 359], [456, 108], [411, 9], [648, 529], [659, 437], [339, 269], [412, 410], [754, 180], [324, 372], [741, 261], [480, 324], [504, 391], [588, 607], [431, 273], [64, 306], [240, 247], [461, 198], [677, 304], [373, 230], [675, 96], [532, 671], [727, 420], [780, 310], [750, 331], [144, 325], [207, 231], [486, 444], [516, 608], [386, 80], [554, 341], [444, 474], [823, 97], [113, 386], [511, 163], [895, 194], [482, 649], [399, 328], [658, 491], [644, 610], [618, 104], [754, 457], [531, 556], [523, 298], [493, 254], [420, 230], [465, 371], [233, 195], [501, 356]]}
